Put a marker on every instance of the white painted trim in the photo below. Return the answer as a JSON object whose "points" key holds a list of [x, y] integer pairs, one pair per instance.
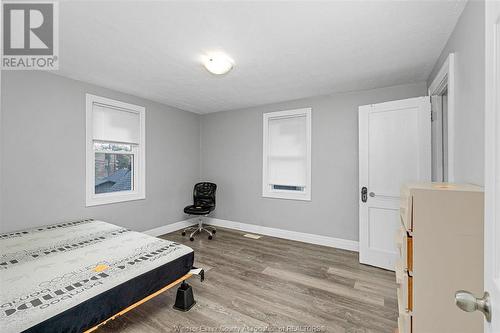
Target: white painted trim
{"points": [[440, 82], [437, 171], [492, 163], [139, 153], [165, 229], [445, 79], [267, 192], [338, 243]]}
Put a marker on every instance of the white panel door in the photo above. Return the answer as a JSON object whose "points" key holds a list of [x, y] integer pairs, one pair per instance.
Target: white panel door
{"points": [[492, 174], [394, 148]]}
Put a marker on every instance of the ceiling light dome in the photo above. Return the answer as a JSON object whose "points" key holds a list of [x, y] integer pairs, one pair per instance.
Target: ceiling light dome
{"points": [[218, 63]]}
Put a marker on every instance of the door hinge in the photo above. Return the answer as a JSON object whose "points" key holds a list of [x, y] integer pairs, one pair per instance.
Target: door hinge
{"points": [[432, 116]]}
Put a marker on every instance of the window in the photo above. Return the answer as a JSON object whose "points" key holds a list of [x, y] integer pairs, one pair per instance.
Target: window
{"points": [[287, 154], [115, 151]]}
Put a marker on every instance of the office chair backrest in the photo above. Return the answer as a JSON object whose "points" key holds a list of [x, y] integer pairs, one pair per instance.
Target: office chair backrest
{"points": [[204, 194]]}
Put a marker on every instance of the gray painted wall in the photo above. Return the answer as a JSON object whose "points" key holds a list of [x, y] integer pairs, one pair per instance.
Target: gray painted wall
{"points": [[43, 156], [231, 156], [468, 43], [42, 142]]}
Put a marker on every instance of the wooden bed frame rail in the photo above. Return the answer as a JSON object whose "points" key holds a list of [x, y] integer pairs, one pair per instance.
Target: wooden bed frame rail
{"points": [[144, 300]]}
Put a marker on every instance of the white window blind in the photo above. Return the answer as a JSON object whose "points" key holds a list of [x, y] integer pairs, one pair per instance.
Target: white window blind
{"points": [[115, 124], [287, 154], [287, 151]]}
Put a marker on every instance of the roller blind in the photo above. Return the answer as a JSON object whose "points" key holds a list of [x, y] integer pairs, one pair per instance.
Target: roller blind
{"points": [[117, 125], [287, 158]]}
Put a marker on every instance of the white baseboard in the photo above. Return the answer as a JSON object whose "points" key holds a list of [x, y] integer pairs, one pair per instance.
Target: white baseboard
{"points": [[165, 229], [286, 234], [338, 243]]}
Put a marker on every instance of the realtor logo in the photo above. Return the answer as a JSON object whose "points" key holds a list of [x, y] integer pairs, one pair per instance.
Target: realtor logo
{"points": [[30, 35]]}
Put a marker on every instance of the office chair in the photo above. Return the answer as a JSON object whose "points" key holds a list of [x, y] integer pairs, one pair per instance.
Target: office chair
{"points": [[203, 204]]}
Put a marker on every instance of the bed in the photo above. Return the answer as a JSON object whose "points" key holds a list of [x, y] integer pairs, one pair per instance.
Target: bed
{"points": [[71, 277]]}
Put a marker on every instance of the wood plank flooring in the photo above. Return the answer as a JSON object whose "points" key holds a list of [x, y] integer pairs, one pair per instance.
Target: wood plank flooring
{"points": [[272, 285]]}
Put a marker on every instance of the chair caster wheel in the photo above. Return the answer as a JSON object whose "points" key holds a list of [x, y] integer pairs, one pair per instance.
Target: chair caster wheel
{"points": [[210, 237], [191, 239], [183, 233], [214, 231]]}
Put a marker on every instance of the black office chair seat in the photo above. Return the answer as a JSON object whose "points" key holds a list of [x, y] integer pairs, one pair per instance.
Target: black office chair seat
{"points": [[203, 204], [198, 210]]}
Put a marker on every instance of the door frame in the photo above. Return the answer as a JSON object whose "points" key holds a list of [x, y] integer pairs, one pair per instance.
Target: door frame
{"points": [[437, 139], [492, 161], [445, 80]]}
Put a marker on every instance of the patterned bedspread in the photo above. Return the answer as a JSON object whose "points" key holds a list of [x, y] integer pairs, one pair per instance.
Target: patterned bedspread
{"points": [[47, 270]]}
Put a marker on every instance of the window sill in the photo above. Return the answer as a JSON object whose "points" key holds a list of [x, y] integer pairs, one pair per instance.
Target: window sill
{"points": [[287, 196], [105, 200]]}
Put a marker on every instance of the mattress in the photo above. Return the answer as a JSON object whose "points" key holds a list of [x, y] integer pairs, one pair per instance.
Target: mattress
{"points": [[69, 277]]}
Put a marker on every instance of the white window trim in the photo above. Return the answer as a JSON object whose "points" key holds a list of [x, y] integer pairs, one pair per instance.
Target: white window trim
{"points": [[267, 191], [445, 80], [138, 151]]}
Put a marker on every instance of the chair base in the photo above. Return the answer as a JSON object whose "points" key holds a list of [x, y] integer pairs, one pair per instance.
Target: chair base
{"points": [[198, 229]]}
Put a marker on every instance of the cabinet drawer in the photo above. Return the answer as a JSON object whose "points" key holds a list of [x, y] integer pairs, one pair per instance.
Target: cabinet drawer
{"points": [[404, 243], [410, 293], [406, 212], [404, 323], [408, 244], [404, 291], [407, 253]]}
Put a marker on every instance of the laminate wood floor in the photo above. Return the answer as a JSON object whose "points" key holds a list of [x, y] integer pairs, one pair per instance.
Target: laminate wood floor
{"points": [[272, 285]]}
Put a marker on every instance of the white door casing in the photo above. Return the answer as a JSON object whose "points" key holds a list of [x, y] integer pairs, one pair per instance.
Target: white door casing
{"points": [[445, 81], [437, 138], [492, 165], [394, 148]]}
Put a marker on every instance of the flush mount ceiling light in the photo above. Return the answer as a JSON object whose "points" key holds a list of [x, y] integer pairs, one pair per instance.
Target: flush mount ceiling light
{"points": [[217, 63]]}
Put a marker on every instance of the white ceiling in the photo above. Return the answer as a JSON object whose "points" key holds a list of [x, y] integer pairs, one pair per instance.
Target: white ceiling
{"points": [[282, 50]]}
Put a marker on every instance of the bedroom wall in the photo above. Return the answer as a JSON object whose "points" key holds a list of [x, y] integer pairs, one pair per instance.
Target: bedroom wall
{"points": [[231, 156], [42, 169], [468, 43]]}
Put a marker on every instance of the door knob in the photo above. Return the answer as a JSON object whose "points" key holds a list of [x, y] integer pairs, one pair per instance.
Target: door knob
{"points": [[372, 194], [469, 303]]}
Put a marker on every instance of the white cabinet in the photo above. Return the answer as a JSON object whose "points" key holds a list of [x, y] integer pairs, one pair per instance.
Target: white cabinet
{"points": [[441, 251]]}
